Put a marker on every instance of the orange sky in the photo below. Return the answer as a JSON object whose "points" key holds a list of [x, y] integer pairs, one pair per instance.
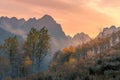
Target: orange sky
{"points": [[75, 16]]}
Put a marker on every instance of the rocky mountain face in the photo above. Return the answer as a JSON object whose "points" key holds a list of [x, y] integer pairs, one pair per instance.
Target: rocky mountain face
{"points": [[106, 39], [80, 38], [108, 31], [111, 32], [47, 21]]}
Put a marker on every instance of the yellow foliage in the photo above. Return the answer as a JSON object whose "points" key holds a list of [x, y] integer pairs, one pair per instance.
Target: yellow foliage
{"points": [[72, 60], [70, 49], [27, 62], [65, 50]]}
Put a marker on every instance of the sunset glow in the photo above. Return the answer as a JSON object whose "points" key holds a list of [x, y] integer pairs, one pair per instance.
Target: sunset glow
{"points": [[75, 16]]}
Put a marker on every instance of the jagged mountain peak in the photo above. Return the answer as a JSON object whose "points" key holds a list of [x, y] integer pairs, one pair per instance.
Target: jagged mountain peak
{"points": [[54, 29], [13, 18], [80, 38], [22, 19], [82, 34], [31, 19], [48, 17], [108, 31], [3, 17], [112, 28]]}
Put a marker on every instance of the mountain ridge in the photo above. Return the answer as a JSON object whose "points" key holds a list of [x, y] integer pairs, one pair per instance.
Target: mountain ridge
{"points": [[108, 31], [54, 28]]}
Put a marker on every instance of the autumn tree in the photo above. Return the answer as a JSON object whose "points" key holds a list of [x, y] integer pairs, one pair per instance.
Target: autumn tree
{"points": [[43, 44], [30, 45], [11, 48], [65, 55], [36, 46]]}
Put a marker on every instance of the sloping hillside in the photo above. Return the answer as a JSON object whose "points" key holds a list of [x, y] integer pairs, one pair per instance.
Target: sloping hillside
{"points": [[104, 66]]}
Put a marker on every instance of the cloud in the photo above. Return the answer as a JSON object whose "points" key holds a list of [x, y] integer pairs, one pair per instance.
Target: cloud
{"points": [[110, 3], [15, 31], [110, 8], [52, 4]]}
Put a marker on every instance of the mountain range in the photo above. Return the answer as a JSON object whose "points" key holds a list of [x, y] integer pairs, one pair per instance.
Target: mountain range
{"points": [[59, 40], [21, 27]]}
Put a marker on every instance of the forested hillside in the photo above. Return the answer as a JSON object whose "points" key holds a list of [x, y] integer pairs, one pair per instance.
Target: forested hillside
{"points": [[70, 64]]}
